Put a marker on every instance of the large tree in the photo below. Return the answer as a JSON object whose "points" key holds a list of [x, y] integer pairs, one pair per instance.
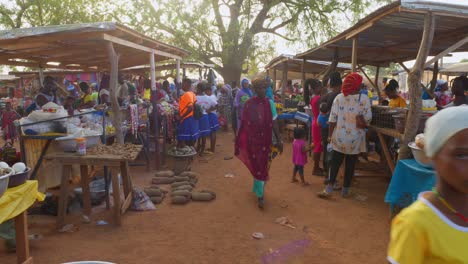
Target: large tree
{"points": [[34, 13], [228, 33]]}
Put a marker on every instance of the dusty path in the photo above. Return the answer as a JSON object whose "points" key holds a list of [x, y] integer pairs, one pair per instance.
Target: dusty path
{"points": [[337, 231]]}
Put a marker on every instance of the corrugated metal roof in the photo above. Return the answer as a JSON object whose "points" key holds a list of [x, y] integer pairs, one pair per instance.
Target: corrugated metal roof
{"points": [[393, 33], [295, 65]]}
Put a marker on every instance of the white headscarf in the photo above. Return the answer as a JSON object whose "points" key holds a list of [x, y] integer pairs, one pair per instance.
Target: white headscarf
{"points": [[443, 126]]}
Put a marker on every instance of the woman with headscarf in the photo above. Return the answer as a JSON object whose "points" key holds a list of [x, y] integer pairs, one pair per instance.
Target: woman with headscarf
{"points": [[442, 93], [434, 229], [224, 106], [349, 115], [316, 87], [241, 97], [258, 140]]}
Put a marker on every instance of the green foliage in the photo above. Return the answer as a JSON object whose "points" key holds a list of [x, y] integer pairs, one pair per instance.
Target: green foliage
{"points": [[33, 13]]}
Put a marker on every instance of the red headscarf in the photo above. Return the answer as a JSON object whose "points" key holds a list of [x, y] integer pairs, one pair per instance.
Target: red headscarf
{"points": [[351, 83]]}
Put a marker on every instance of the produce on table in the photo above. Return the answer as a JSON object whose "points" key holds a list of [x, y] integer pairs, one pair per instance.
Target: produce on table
{"points": [[419, 140], [125, 151]]}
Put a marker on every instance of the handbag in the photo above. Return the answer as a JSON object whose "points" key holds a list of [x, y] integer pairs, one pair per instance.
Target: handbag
{"points": [[360, 121]]}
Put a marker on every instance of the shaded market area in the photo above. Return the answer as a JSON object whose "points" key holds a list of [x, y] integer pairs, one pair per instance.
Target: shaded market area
{"points": [[121, 148]]}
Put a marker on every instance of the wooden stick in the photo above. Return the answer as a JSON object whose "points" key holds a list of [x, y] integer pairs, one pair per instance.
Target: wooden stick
{"points": [[404, 67], [355, 51], [379, 92], [22, 242], [447, 51], [414, 85], [387, 155], [114, 62]]}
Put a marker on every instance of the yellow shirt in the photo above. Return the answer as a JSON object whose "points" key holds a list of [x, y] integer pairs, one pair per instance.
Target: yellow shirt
{"points": [[147, 94], [422, 234], [398, 102]]}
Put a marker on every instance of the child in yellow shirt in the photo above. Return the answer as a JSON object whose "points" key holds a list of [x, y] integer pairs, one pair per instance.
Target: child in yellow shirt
{"points": [[396, 101], [434, 229]]}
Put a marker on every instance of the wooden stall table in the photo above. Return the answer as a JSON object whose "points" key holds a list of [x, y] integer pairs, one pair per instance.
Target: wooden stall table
{"points": [[388, 132], [113, 162], [13, 205]]}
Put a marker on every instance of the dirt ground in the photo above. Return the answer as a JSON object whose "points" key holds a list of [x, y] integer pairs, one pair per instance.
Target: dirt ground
{"points": [[337, 231]]}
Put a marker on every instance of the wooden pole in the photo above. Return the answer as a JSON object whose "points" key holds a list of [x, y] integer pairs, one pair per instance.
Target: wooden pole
{"points": [[178, 80], [435, 74], [354, 56], [155, 109], [414, 85], [274, 79], [303, 72], [41, 76], [377, 73], [285, 80], [404, 67], [114, 71], [331, 68], [184, 72]]}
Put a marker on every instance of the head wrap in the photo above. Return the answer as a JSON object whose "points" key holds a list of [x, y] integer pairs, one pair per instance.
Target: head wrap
{"points": [[443, 126], [246, 90], [351, 83], [439, 85]]}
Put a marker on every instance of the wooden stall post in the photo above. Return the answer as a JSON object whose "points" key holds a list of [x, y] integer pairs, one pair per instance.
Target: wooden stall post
{"points": [[331, 68], [274, 79], [284, 80], [178, 80], [303, 75], [354, 56], [155, 108], [414, 85], [376, 81], [114, 63], [41, 76], [184, 72]]}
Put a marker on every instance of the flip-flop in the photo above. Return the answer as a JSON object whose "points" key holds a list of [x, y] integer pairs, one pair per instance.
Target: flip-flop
{"points": [[324, 195]]}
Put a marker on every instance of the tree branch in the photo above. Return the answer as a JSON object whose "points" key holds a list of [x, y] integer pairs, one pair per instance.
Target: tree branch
{"points": [[219, 19]]}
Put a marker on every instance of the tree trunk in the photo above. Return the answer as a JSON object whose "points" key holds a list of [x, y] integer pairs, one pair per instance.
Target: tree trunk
{"points": [[414, 85], [231, 73]]}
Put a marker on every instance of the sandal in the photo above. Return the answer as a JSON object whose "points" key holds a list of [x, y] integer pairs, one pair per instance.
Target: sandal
{"points": [[324, 194], [261, 203]]}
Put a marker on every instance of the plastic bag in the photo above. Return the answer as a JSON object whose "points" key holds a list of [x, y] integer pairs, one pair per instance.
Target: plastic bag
{"points": [[141, 201]]}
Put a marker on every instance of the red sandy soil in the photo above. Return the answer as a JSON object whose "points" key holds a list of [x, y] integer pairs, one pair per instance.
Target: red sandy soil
{"points": [[339, 230]]}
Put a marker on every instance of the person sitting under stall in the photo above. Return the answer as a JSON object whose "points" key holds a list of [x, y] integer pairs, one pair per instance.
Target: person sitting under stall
{"points": [[87, 99], [396, 101]]}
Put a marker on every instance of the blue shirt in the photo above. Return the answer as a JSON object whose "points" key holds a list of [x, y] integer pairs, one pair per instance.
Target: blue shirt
{"points": [[323, 120]]}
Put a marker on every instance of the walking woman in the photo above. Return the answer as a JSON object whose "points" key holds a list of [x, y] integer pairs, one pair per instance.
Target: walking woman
{"points": [[258, 140], [434, 229], [241, 97], [316, 88], [349, 116]]}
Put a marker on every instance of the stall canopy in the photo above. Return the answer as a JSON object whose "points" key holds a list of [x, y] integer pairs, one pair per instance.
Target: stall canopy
{"points": [[312, 68], [81, 46], [171, 66], [393, 33], [456, 69]]}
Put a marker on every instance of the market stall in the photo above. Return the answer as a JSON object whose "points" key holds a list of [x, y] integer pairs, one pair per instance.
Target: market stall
{"points": [[94, 47], [401, 31]]}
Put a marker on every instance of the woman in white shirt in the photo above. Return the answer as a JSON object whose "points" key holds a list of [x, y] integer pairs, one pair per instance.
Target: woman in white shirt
{"points": [[206, 103]]}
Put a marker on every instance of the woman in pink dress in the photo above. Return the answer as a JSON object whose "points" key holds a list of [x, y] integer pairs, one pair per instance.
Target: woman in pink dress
{"points": [[315, 87]]}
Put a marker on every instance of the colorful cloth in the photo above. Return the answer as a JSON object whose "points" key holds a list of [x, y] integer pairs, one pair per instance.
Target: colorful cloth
{"points": [[214, 123], [347, 138], [316, 135], [204, 125], [241, 98], [351, 83], [403, 190], [299, 157], [422, 234], [398, 102], [9, 129], [186, 100], [18, 199], [188, 129], [255, 137]]}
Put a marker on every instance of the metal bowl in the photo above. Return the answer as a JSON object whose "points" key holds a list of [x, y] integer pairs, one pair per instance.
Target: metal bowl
{"points": [[19, 178], [420, 156], [4, 182]]}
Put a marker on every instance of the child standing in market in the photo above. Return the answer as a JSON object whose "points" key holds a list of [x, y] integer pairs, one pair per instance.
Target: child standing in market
{"points": [[434, 229], [213, 117], [204, 122], [299, 158], [323, 124], [8, 117]]}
